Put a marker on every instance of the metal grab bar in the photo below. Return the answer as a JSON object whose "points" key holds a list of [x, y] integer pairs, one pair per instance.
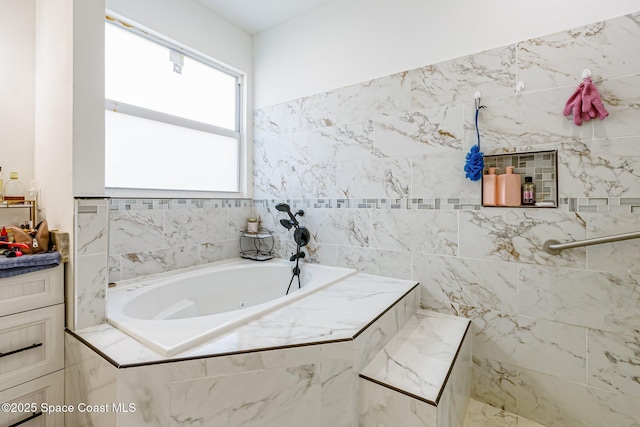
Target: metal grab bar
{"points": [[554, 247]]}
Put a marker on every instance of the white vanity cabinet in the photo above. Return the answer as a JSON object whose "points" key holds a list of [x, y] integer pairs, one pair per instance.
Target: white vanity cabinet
{"points": [[32, 347]]}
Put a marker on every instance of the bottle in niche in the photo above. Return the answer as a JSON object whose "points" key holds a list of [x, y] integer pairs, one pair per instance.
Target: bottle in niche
{"points": [[509, 188], [528, 191], [489, 188], [14, 190]]}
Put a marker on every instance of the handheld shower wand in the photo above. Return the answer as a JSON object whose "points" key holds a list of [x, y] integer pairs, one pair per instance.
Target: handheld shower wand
{"points": [[301, 236]]}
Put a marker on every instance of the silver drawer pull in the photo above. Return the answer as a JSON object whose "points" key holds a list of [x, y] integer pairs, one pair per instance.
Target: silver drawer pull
{"points": [[35, 415], [19, 351]]}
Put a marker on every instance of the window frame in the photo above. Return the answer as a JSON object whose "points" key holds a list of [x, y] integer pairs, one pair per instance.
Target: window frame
{"points": [[240, 131]]}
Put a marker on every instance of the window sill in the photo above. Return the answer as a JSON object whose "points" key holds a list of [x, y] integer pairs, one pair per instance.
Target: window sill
{"points": [[173, 194]]}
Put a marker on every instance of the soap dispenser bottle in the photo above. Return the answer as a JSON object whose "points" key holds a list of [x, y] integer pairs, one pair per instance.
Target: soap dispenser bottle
{"points": [[490, 188], [509, 188]]}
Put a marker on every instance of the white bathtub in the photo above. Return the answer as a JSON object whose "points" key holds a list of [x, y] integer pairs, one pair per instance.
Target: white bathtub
{"points": [[172, 312]]}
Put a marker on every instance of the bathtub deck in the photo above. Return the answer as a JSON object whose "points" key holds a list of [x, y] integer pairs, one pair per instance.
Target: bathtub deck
{"points": [[337, 313]]}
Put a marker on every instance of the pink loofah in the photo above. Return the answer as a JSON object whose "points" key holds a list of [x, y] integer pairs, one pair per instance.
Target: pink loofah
{"points": [[585, 103], [591, 100], [574, 105]]}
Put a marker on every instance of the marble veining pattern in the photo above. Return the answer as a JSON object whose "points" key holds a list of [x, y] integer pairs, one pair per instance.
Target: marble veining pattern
{"points": [[613, 362], [92, 228], [558, 59], [134, 231], [91, 289], [428, 180], [88, 379], [510, 235], [511, 122], [554, 402], [600, 168], [145, 386], [534, 311], [616, 256], [482, 415], [194, 226], [348, 227], [282, 162], [369, 343], [449, 82], [489, 285], [279, 387], [376, 178], [379, 97], [417, 360], [495, 383], [380, 406], [155, 235], [310, 148], [150, 262], [455, 397], [420, 133], [539, 345], [375, 261], [349, 305], [246, 399], [622, 104], [352, 141], [90, 276], [397, 230], [598, 300]]}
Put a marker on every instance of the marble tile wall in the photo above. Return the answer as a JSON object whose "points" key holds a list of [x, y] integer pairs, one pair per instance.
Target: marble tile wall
{"points": [[377, 167], [88, 307], [119, 239], [151, 236]]}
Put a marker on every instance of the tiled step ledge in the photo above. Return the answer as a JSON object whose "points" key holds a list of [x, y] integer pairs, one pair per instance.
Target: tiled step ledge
{"points": [[419, 359]]}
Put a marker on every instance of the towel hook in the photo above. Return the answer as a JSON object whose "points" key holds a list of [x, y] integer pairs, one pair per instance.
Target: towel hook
{"points": [[586, 73], [477, 96]]}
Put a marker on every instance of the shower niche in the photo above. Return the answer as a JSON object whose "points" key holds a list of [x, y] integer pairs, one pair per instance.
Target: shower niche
{"points": [[541, 166]]}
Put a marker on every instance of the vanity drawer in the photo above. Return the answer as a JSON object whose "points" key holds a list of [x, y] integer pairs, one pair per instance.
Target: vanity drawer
{"points": [[32, 290], [48, 390], [31, 344]]}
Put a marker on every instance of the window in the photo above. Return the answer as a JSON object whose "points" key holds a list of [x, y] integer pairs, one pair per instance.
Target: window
{"points": [[172, 117]]}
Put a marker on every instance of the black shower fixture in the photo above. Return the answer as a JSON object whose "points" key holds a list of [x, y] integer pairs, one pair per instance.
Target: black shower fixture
{"points": [[286, 223], [283, 207], [301, 236]]}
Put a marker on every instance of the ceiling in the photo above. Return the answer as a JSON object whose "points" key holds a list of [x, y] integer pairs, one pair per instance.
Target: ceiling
{"points": [[255, 16]]}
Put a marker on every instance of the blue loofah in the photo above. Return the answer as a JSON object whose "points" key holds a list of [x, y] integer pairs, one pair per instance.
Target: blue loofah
{"points": [[475, 160], [475, 164]]}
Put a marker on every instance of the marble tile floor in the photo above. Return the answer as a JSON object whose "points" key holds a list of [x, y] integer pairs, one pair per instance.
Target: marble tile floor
{"points": [[482, 415]]}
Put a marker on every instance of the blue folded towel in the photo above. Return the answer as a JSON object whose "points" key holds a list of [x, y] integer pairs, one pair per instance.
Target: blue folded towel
{"points": [[10, 267]]}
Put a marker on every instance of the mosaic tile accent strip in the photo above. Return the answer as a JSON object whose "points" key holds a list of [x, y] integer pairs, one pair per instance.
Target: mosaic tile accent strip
{"points": [[157, 204], [567, 204], [570, 204]]}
